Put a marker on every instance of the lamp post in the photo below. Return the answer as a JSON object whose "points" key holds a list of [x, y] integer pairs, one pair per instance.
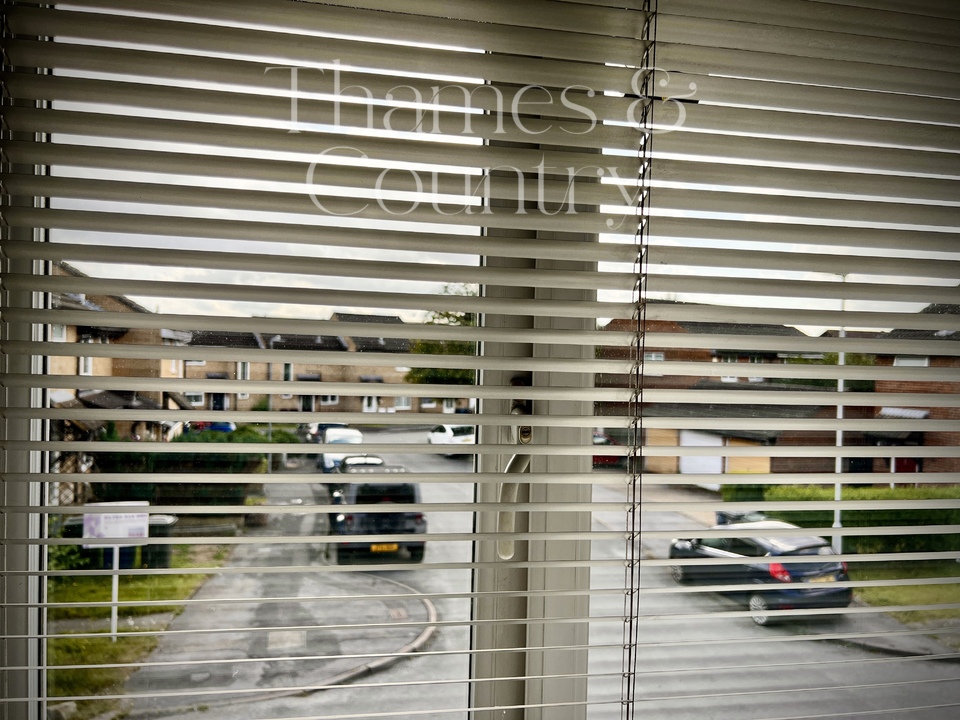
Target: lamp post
{"points": [[270, 343], [838, 463]]}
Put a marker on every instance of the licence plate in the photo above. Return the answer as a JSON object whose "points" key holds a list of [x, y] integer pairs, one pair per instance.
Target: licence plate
{"points": [[823, 578], [384, 547]]}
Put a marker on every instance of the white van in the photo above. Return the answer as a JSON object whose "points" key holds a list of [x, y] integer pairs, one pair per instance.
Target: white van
{"points": [[329, 461]]}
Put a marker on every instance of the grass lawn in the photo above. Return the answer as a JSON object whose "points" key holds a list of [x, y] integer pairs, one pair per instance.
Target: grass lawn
{"points": [[85, 590], [911, 594], [76, 655]]}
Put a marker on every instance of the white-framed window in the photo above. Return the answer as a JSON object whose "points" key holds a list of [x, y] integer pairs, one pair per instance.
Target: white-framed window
{"points": [[402, 403], [428, 403], [195, 363], [329, 399], [449, 405], [85, 362], [911, 361], [652, 357], [370, 403], [287, 372], [243, 373], [196, 399], [730, 359], [58, 333], [756, 360], [552, 606]]}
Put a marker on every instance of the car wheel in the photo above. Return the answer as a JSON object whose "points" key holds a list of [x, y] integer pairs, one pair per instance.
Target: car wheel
{"points": [[760, 610], [678, 573], [416, 554]]}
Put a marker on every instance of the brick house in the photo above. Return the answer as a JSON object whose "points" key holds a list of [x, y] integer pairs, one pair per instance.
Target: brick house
{"points": [[948, 359]]}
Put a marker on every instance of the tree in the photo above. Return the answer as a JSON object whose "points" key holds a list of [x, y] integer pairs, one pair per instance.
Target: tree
{"points": [[446, 376]]}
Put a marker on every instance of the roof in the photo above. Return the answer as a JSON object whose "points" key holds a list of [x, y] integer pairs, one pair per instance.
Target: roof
{"points": [[68, 269], [252, 340], [373, 343], [117, 399], [946, 334], [763, 411]]}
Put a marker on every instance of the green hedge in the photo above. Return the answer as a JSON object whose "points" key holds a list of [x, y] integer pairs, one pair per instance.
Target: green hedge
{"points": [[180, 462], [863, 544]]}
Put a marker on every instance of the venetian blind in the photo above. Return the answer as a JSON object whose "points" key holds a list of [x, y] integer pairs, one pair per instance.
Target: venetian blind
{"points": [[238, 223], [800, 357]]}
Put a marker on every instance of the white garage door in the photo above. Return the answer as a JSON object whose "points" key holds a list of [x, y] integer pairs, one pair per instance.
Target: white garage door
{"points": [[706, 464]]}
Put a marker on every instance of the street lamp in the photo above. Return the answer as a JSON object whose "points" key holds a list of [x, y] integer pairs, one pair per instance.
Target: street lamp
{"points": [[838, 463], [270, 343]]}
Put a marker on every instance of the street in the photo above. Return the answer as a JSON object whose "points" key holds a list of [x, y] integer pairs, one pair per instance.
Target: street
{"points": [[693, 662]]}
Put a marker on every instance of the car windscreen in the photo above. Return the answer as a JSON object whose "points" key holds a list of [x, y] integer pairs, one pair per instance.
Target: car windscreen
{"points": [[461, 430], [372, 494]]}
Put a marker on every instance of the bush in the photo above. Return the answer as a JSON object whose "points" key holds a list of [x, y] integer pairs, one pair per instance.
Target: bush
{"points": [[187, 463], [886, 517], [742, 493]]}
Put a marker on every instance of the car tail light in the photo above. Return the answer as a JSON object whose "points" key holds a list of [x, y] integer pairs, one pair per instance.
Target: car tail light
{"points": [[779, 572], [346, 520]]}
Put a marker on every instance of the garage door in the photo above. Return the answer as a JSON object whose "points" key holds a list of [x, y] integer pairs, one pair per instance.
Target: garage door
{"points": [[705, 464]]}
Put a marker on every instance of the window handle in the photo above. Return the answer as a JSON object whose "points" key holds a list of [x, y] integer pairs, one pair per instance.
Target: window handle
{"points": [[509, 491]]}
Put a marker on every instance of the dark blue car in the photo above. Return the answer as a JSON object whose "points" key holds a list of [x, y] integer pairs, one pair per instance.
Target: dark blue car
{"points": [[807, 577]]}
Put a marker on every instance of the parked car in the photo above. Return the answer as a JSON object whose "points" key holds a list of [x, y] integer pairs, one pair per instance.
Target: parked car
{"points": [[599, 439], [452, 435], [313, 432], [354, 464], [775, 586], [356, 519], [217, 425], [328, 461]]}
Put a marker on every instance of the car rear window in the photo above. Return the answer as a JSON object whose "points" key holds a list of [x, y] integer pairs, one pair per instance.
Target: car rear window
{"points": [[373, 494], [815, 550]]}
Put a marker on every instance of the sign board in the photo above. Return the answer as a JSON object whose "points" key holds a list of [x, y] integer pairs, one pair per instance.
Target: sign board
{"points": [[124, 524]]}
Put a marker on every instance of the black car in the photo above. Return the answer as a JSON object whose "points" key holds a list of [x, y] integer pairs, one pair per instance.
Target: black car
{"points": [[778, 586], [356, 518]]}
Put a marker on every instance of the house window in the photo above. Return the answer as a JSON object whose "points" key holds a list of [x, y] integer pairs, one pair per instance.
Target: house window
{"points": [[194, 398], [371, 403], [85, 362], [196, 363], [449, 405], [728, 378], [402, 403], [329, 399], [243, 370], [287, 372], [58, 333], [507, 283], [756, 360], [652, 357], [911, 361], [428, 403]]}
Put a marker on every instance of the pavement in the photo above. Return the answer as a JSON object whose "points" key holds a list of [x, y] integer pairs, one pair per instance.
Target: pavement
{"points": [[254, 646]]}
